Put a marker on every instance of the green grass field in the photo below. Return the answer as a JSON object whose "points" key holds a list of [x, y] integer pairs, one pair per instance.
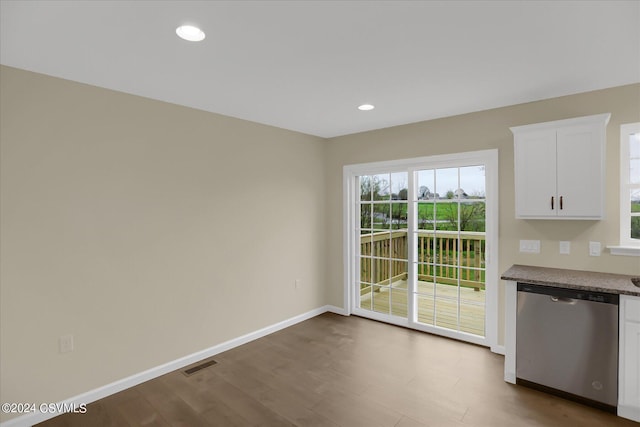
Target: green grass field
{"points": [[444, 214]]}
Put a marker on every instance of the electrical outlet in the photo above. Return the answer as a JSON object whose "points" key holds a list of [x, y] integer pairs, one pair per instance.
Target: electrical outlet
{"points": [[595, 248], [65, 343], [565, 248], [530, 246]]}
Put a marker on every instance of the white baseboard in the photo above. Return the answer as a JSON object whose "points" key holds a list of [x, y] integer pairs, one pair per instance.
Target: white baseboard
{"points": [[337, 310], [629, 412], [510, 377], [125, 383], [498, 349]]}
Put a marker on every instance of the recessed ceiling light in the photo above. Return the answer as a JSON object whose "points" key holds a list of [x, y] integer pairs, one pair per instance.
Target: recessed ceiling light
{"points": [[366, 107], [190, 33]]}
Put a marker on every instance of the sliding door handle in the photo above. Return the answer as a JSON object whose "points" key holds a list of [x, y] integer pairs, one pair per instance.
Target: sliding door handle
{"points": [[560, 202], [552, 202]]}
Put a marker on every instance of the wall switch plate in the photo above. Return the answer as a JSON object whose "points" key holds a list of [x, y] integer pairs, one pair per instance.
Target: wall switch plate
{"points": [[595, 248], [565, 248], [298, 283], [530, 246], [65, 343]]}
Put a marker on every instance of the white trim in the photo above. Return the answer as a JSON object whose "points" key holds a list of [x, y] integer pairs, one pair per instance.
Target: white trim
{"points": [[624, 250], [347, 237], [436, 161], [629, 412], [596, 118], [491, 251], [510, 318], [149, 374], [498, 349], [487, 157], [337, 310], [626, 241], [381, 317], [448, 333]]}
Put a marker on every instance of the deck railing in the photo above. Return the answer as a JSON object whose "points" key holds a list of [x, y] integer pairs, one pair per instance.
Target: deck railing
{"points": [[446, 257]]}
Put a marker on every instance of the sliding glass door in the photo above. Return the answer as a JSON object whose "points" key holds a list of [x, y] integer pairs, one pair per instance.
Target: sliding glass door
{"points": [[420, 232], [450, 248], [383, 243]]}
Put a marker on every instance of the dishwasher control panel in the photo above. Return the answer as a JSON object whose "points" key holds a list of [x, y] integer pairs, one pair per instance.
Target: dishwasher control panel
{"points": [[602, 297]]}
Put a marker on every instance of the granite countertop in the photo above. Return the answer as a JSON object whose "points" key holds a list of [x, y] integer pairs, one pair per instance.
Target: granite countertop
{"points": [[573, 279]]}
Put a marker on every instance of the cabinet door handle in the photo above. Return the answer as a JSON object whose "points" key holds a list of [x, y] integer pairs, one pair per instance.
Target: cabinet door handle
{"points": [[560, 202], [551, 202]]}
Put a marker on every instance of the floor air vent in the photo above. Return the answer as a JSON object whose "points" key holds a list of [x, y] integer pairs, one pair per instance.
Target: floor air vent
{"points": [[190, 370]]}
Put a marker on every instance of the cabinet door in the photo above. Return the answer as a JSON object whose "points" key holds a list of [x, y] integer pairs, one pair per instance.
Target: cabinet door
{"points": [[535, 166], [580, 170], [630, 366]]}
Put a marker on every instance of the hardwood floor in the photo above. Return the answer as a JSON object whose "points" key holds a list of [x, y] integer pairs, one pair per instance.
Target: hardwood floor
{"points": [[341, 371]]}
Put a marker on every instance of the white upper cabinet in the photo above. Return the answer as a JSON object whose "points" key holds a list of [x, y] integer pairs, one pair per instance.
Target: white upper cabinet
{"points": [[559, 168]]}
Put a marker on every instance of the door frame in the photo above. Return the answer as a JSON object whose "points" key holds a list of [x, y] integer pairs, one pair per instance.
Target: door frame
{"points": [[351, 193]]}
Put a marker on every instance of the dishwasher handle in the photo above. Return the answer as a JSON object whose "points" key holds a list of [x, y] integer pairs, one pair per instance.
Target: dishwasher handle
{"points": [[562, 300]]}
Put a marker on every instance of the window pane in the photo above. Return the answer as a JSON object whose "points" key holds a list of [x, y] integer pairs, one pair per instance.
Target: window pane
{"points": [[380, 187], [472, 182], [446, 183], [365, 296], [447, 215], [635, 227], [426, 219], [381, 302], [399, 186], [398, 215], [380, 271], [399, 300], [365, 270], [472, 215], [447, 254], [447, 309], [399, 271], [635, 209], [399, 289], [365, 188], [381, 216], [425, 255], [634, 196], [426, 309], [472, 311], [365, 216], [426, 287], [425, 186], [634, 171], [399, 245], [381, 244], [634, 157], [365, 244]]}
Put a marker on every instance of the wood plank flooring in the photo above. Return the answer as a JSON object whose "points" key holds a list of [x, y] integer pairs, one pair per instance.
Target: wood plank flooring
{"points": [[341, 371]]}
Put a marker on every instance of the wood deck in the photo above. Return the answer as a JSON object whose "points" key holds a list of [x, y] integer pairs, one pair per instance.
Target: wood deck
{"points": [[393, 300]]}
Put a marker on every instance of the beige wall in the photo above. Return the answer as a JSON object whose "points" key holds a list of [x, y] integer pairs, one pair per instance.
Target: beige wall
{"points": [[151, 231], [486, 130], [147, 230]]}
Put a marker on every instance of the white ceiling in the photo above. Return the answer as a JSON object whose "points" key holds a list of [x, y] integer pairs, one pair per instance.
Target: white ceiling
{"points": [[307, 65]]}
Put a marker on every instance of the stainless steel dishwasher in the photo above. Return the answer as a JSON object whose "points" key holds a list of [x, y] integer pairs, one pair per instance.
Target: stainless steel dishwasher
{"points": [[567, 343]]}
